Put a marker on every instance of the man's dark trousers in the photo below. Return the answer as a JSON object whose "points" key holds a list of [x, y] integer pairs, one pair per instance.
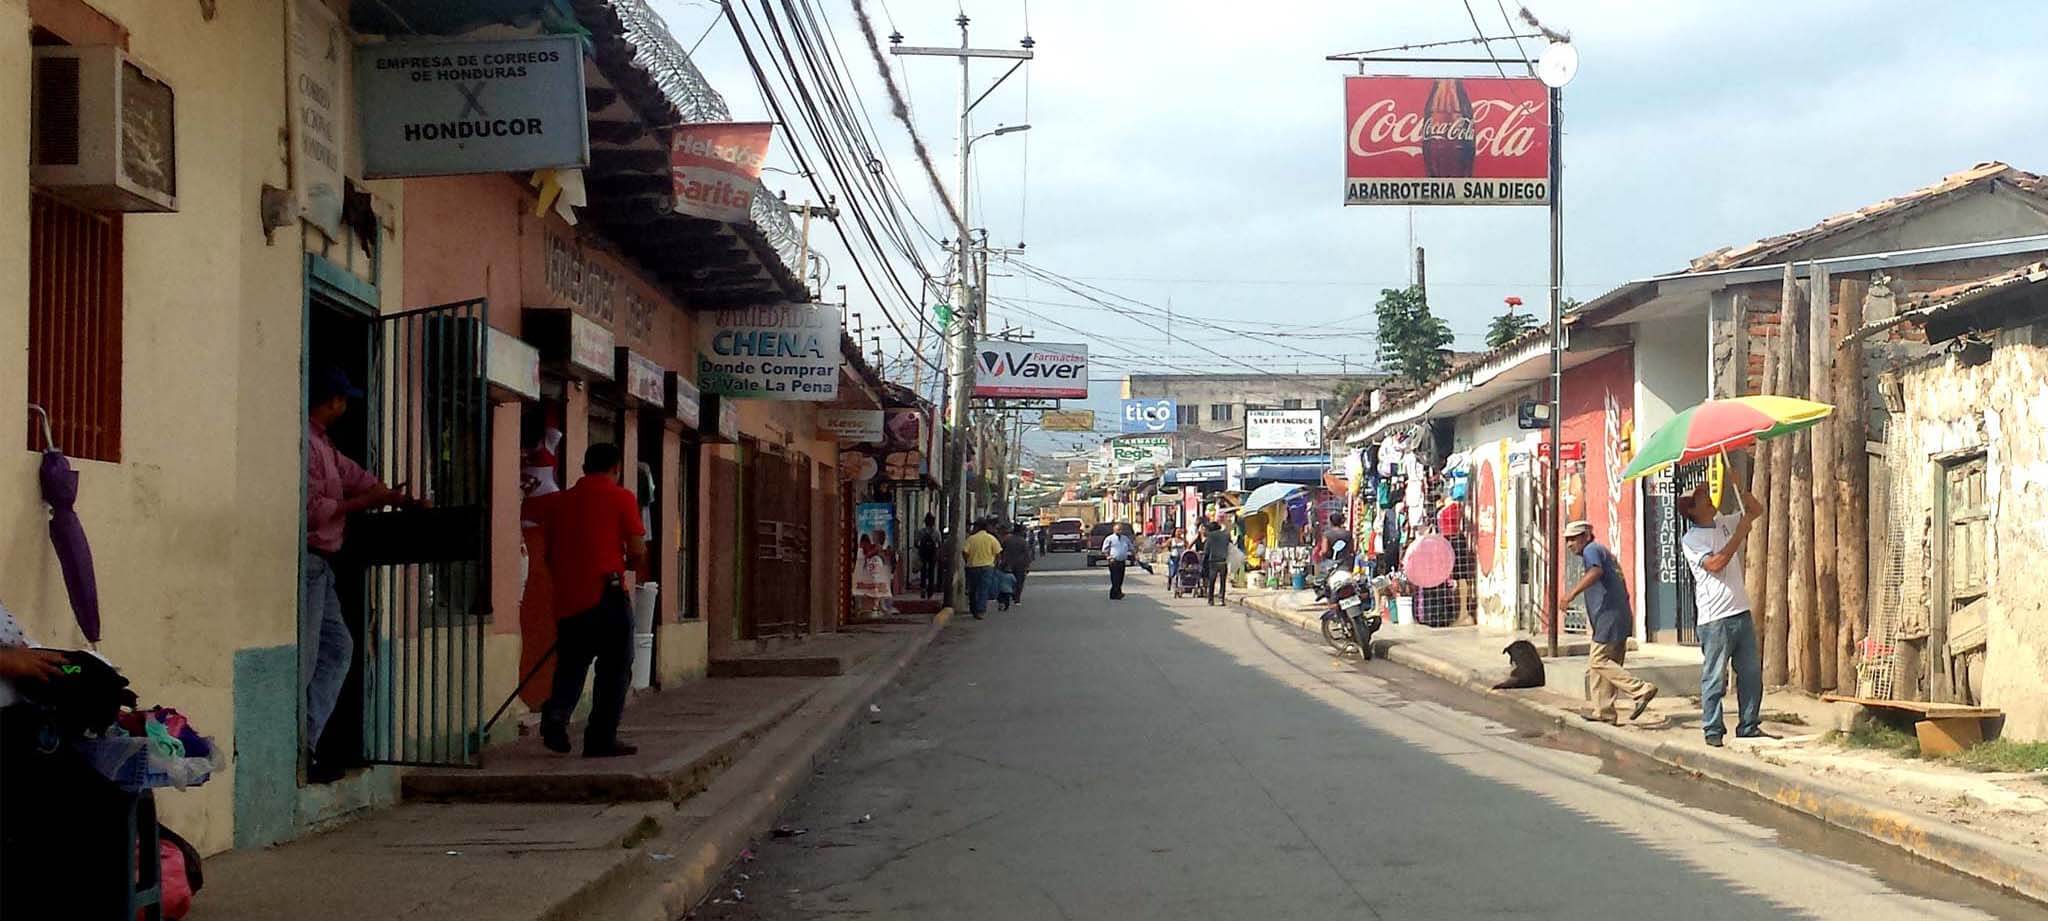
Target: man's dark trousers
{"points": [[928, 571], [603, 634], [1215, 581], [1116, 578]]}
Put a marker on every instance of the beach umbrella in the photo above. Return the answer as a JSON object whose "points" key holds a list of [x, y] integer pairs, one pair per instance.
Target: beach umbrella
{"points": [[67, 534], [1716, 426]]}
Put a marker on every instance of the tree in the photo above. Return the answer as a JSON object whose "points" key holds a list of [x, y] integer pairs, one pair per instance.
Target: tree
{"points": [[1411, 340], [1508, 327], [1512, 325]]}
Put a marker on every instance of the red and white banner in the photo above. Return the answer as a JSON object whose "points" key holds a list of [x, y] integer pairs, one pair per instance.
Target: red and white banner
{"points": [[1446, 141], [715, 167]]}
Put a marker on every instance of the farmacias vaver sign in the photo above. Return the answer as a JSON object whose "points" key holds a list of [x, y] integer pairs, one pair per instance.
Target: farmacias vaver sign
{"points": [[1031, 370]]}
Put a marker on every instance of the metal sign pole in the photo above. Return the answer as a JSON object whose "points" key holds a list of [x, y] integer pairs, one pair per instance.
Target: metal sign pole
{"points": [[1553, 526]]}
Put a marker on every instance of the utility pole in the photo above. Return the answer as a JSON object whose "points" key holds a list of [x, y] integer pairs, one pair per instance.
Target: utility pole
{"points": [[1422, 275], [803, 259], [959, 344]]}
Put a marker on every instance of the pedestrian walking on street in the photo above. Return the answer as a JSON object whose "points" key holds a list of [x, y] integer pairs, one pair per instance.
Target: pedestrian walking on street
{"points": [[336, 487], [928, 556], [1727, 630], [1608, 608], [593, 535], [1118, 549], [1017, 562], [979, 554], [1216, 564]]}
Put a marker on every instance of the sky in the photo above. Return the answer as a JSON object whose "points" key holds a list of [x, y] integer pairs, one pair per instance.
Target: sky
{"points": [[1189, 155]]}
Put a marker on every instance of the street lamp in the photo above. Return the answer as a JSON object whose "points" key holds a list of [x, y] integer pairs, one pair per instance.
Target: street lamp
{"points": [[1006, 129]]}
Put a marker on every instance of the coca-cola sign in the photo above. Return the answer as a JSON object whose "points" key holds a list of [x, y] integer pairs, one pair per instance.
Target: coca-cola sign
{"points": [[1446, 141]]}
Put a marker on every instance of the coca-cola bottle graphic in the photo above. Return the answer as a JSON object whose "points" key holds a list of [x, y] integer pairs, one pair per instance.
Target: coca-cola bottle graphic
{"points": [[1447, 135]]}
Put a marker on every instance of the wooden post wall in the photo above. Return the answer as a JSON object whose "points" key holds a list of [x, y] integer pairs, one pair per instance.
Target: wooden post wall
{"points": [[1852, 483], [1820, 388], [1777, 560]]}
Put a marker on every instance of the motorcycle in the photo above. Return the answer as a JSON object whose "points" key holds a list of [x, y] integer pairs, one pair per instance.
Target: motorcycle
{"points": [[1349, 623]]}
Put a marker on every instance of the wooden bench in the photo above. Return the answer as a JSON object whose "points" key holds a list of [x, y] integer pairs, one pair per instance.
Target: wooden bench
{"points": [[1943, 729]]}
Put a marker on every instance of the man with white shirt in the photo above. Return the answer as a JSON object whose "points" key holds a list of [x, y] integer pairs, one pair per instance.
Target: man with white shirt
{"points": [[1727, 628], [1118, 547]]}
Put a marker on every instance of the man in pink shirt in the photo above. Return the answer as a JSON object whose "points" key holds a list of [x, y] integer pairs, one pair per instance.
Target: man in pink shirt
{"points": [[336, 487]]}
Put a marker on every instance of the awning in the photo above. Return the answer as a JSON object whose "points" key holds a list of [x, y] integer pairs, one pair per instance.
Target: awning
{"points": [[1267, 495], [1192, 476], [1311, 474]]}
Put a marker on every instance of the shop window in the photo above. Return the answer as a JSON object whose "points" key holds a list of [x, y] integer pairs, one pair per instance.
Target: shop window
{"points": [[1219, 412], [74, 327], [1187, 415]]}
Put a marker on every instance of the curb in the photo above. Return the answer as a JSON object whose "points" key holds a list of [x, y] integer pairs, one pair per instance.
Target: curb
{"points": [[2007, 866], [742, 802]]}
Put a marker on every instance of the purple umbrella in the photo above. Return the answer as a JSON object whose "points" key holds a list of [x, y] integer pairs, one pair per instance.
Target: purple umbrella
{"points": [[67, 533]]}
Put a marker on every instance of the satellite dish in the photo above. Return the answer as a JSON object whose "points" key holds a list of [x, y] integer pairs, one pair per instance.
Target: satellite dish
{"points": [[1557, 65]]}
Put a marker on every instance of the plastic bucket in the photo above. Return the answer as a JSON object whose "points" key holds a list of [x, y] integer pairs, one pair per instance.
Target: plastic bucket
{"points": [[646, 596], [1404, 609]]}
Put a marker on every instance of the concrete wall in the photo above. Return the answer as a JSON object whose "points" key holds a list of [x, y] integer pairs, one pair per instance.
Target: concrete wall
{"points": [[196, 530], [2001, 409]]}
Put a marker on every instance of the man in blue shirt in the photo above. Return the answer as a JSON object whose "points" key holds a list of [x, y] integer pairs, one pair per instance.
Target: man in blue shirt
{"points": [[1607, 607]]}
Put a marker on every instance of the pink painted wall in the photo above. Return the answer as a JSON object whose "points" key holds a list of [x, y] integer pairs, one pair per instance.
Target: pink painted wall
{"points": [[1598, 406]]}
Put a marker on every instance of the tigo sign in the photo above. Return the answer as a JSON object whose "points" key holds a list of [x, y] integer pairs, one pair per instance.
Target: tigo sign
{"points": [[1149, 416], [1039, 370]]}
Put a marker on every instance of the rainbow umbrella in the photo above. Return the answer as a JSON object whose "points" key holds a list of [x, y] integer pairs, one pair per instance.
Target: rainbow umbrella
{"points": [[1718, 425]]}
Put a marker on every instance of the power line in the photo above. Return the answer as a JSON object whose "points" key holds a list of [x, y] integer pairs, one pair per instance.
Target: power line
{"points": [[775, 105], [1484, 42]]}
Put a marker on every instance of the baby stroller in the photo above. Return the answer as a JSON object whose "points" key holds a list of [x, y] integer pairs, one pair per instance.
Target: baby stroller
{"points": [[1187, 573]]}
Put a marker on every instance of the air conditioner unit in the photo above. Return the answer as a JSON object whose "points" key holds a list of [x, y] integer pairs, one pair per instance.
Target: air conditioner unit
{"points": [[103, 131]]}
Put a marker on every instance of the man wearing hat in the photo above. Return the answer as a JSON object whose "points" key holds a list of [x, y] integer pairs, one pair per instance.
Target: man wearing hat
{"points": [[336, 488], [1608, 608]]}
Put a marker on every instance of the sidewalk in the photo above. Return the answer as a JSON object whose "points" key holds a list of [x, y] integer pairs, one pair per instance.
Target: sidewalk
{"points": [[1990, 826], [539, 836]]}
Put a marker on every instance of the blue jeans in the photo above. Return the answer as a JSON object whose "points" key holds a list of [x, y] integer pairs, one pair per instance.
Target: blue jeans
{"points": [[1731, 640], [980, 584], [325, 647]]}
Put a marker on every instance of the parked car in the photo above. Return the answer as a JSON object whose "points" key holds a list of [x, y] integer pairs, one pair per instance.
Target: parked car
{"points": [[1064, 536], [1095, 537]]}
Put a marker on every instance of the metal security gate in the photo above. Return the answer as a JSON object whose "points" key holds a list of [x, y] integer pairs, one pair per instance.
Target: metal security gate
{"points": [[428, 569], [777, 524]]}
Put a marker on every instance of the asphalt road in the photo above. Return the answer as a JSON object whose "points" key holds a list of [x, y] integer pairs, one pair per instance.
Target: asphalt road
{"points": [[1150, 758]]}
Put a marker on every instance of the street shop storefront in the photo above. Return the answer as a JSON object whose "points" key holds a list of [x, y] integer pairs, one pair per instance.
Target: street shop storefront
{"points": [[1455, 478]]}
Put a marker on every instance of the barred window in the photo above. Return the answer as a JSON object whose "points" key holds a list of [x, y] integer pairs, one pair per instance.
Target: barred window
{"points": [[74, 327]]}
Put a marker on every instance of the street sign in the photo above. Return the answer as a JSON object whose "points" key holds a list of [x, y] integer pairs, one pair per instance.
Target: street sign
{"points": [[852, 426], [1147, 449], [1283, 429], [1153, 416], [1031, 369], [1446, 141], [437, 108], [1073, 420], [772, 352]]}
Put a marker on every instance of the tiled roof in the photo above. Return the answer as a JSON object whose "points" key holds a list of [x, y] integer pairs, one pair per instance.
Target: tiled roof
{"points": [[1766, 250]]}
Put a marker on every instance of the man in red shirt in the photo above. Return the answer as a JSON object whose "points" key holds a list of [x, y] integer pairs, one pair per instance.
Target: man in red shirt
{"points": [[593, 533]]}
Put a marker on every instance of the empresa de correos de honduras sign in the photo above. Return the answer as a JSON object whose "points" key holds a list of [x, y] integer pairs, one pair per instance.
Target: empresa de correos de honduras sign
{"points": [[1031, 370], [775, 352], [434, 108]]}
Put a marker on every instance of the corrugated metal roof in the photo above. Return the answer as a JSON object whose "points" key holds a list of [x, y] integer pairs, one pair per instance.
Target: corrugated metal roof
{"points": [[1975, 177]]}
